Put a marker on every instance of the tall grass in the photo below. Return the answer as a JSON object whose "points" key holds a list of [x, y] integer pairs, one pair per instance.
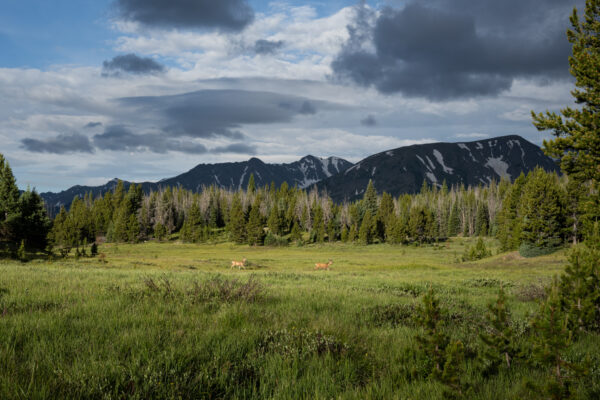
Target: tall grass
{"points": [[174, 321]]}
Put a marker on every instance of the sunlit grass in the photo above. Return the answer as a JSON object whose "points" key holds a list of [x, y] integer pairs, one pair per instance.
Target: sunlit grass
{"points": [[158, 320]]}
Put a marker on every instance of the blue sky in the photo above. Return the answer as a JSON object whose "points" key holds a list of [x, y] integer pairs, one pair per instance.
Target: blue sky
{"points": [[146, 89]]}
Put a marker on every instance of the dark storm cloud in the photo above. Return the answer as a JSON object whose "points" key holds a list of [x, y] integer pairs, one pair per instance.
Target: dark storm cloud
{"points": [[93, 124], [267, 46], [369, 121], [219, 113], [119, 138], [307, 108], [60, 144], [132, 64], [236, 148], [231, 15], [456, 48]]}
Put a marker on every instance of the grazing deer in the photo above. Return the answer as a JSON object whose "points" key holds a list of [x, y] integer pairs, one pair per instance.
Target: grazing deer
{"points": [[323, 265], [239, 264]]}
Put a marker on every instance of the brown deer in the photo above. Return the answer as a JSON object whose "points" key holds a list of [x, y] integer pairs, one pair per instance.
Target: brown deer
{"points": [[239, 264], [323, 265]]}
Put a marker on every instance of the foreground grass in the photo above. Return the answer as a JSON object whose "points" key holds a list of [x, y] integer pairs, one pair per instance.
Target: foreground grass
{"points": [[167, 320]]}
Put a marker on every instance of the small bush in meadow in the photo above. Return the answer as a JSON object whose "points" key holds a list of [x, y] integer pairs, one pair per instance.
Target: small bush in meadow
{"points": [[476, 252]]}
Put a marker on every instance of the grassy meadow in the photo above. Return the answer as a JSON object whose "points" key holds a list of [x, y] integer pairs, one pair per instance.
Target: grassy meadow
{"points": [[171, 320]]}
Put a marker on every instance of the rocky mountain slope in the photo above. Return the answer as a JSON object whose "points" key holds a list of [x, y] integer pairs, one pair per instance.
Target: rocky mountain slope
{"points": [[304, 173], [404, 169]]}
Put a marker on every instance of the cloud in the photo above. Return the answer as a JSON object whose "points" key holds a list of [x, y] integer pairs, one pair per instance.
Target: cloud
{"points": [[237, 148], [232, 15], [474, 135], [219, 113], [263, 46], [60, 144], [451, 49], [120, 138], [132, 64], [368, 121], [307, 108], [92, 124]]}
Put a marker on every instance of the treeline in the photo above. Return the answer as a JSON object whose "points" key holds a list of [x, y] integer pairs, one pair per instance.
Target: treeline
{"points": [[537, 213], [24, 224]]}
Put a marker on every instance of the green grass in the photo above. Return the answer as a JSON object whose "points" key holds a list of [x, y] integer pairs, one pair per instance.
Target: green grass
{"points": [[168, 320]]}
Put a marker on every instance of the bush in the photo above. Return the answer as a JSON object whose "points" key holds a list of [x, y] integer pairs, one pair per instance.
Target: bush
{"points": [[476, 252], [529, 250], [275, 240]]}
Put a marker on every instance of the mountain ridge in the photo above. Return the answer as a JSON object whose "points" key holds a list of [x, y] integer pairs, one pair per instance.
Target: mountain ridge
{"points": [[403, 170], [396, 171]]}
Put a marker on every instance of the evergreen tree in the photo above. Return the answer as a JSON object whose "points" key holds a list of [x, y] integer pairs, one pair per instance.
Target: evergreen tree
{"points": [[577, 142], [32, 222], [160, 232], [579, 289], [255, 227], [275, 221], [499, 338], [370, 199], [385, 215], [543, 214], [9, 198], [551, 338], [509, 218], [482, 220], [368, 229], [454, 221], [417, 223], [133, 229], [251, 188], [296, 235], [237, 221], [318, 226], [575, 199]]}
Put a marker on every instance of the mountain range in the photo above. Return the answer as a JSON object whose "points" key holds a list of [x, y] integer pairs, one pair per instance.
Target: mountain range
{"points": [[395, 171]]}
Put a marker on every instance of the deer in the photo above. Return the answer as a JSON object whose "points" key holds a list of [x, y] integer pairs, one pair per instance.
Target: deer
{"points": [[323, 265], [239, 264]]}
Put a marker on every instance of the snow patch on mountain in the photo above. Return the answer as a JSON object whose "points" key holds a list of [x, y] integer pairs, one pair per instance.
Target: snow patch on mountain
{"points": [[430, 163], [432, 178], [440, 159], [499, 166], [465, 147]]}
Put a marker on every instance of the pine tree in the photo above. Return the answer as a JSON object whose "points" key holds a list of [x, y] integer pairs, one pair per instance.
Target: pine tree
{"points": [[237, 221], [499, 338], [417, 224], [9, 198], [368, 229], [31, 222], [482, 220], [318, 225], [255, 227], [509, 218], [251, 188], [275, 220], [133, 229], [577, 142], [543, 214], [296, 235], [434, 341], [454, 221], [579, 289], [385, 215], [551, 338], [370, 199]]}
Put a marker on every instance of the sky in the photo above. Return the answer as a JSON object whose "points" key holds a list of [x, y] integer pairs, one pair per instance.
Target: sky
{"points": [[142, 90]]}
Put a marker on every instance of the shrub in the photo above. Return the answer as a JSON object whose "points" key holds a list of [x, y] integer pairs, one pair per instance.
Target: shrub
{"points": [[476, 252], [529, 250], [275, 240]]}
